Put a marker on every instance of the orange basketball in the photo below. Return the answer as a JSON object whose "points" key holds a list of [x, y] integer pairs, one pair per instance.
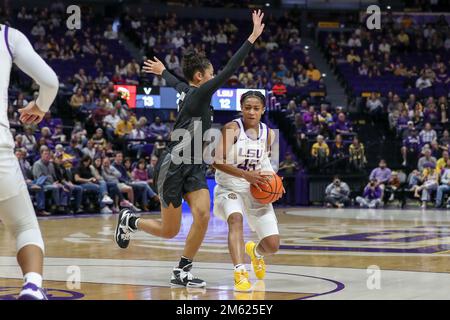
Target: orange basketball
{"points": [[269, 191]]}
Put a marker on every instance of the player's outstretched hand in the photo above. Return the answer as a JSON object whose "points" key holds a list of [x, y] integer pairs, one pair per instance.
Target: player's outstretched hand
{"points": [[258, 26], [31, 114], [154, 66]]}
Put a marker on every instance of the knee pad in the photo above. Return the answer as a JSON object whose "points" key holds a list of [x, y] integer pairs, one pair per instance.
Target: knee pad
{"points": [[29, 237]]}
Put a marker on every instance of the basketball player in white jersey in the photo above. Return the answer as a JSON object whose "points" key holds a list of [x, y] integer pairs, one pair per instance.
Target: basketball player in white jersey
{"points": [[16, 209], [242, 159]]}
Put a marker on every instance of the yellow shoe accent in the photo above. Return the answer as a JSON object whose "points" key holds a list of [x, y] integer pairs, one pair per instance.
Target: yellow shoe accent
{"points": [[259, 267], [241, 282]]}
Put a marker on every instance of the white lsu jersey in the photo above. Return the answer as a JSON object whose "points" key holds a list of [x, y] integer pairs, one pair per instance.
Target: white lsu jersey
{"points": [[247, 154]]}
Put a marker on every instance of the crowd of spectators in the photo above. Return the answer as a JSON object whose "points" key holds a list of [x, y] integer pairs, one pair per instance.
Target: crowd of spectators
{"points": [[279, 61]]}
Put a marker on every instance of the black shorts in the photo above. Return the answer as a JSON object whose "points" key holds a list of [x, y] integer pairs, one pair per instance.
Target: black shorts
{"points": [[173, 181]]}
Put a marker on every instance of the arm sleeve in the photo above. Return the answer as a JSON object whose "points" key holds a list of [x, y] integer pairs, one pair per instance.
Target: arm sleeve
{"points": [[174, 82], [207, 89], [32, 64]]}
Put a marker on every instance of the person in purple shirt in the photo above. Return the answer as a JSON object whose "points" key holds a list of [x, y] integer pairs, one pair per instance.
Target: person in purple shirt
{"points": [[432, 115], [382, 174], [411, 148], [342, 126], [371, 197], [157, 128], [308, 116]]}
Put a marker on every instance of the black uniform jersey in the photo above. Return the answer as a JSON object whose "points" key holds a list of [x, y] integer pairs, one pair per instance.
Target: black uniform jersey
{"points": [[195, 110]]}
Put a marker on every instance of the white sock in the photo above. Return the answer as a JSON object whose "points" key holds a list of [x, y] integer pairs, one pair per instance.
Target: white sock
{"points": [[34, 278], [240, 267], [257, 255]]}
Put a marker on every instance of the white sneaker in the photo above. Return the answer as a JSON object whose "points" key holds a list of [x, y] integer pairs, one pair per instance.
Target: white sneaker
{"points": [[391, 198], [107, 200], [135, 209], [106, 210]]}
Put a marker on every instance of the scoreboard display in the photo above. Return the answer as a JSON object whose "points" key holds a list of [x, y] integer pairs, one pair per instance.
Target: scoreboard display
{"points": [[149, 97]]}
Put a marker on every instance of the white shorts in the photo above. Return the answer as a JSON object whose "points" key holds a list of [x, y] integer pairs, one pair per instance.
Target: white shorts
{"points": [[261, 217]]}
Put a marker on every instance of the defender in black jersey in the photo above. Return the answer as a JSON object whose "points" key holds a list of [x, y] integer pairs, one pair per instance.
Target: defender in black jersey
{"points": [[180, 175]]}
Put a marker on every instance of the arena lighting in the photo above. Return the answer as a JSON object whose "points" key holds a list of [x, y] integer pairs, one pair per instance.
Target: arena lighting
{"points": [[267, 4], [306, 47], [388, 7], [324, 74]]}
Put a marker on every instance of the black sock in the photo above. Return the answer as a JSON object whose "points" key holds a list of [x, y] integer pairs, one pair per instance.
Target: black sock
{"points": [[184, 262], [132, 223]]}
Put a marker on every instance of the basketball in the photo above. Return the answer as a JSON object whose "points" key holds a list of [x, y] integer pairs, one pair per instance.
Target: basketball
{"points": [[270, 191]]}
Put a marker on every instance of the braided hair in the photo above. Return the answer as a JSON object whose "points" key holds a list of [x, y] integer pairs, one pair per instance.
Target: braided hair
{"points": [[253, 94]]}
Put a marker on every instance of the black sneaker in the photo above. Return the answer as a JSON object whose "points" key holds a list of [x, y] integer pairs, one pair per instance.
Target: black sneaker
{"points": [[123, 230], [183, 277]]}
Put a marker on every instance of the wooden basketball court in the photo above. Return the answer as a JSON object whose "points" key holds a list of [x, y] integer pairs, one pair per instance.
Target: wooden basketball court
{"points": [[325, 254]]}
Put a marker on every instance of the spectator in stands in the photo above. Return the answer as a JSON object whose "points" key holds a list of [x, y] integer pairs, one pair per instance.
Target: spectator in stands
{"points": [[77, 99], [157, 128], [374, 106], [20, 102], [44, 170], [137, 137], [430, 182], [29, 139], [338, 154], [111, 176], [140, 176], [320, 152], [110, 123], [444, 187], [357, 156], [38, 30], [279, 88], [382, 174], [138, 189], [81, 78], [110, 34], [384, 46], [303, 79], [58, 135], [428, 134], [423, 82], [444, 142], [89, 149], [313, 73], [221, 37], [172, 61], [342, 126], [427, 158], [288, 169], [352, 57], [151, 170], [337, 193], [411, 148], [435, 150], [178, 41], [35, 187], [394, 188], [83, 177], [371, 197], [64, 177]]}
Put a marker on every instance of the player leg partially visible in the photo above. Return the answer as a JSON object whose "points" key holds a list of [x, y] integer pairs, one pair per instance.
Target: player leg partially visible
{"points": [[16, 210]]}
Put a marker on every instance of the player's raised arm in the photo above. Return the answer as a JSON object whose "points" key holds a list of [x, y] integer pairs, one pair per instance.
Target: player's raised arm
{"points": [[208, 88], [34, 66], [157, 67]]}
